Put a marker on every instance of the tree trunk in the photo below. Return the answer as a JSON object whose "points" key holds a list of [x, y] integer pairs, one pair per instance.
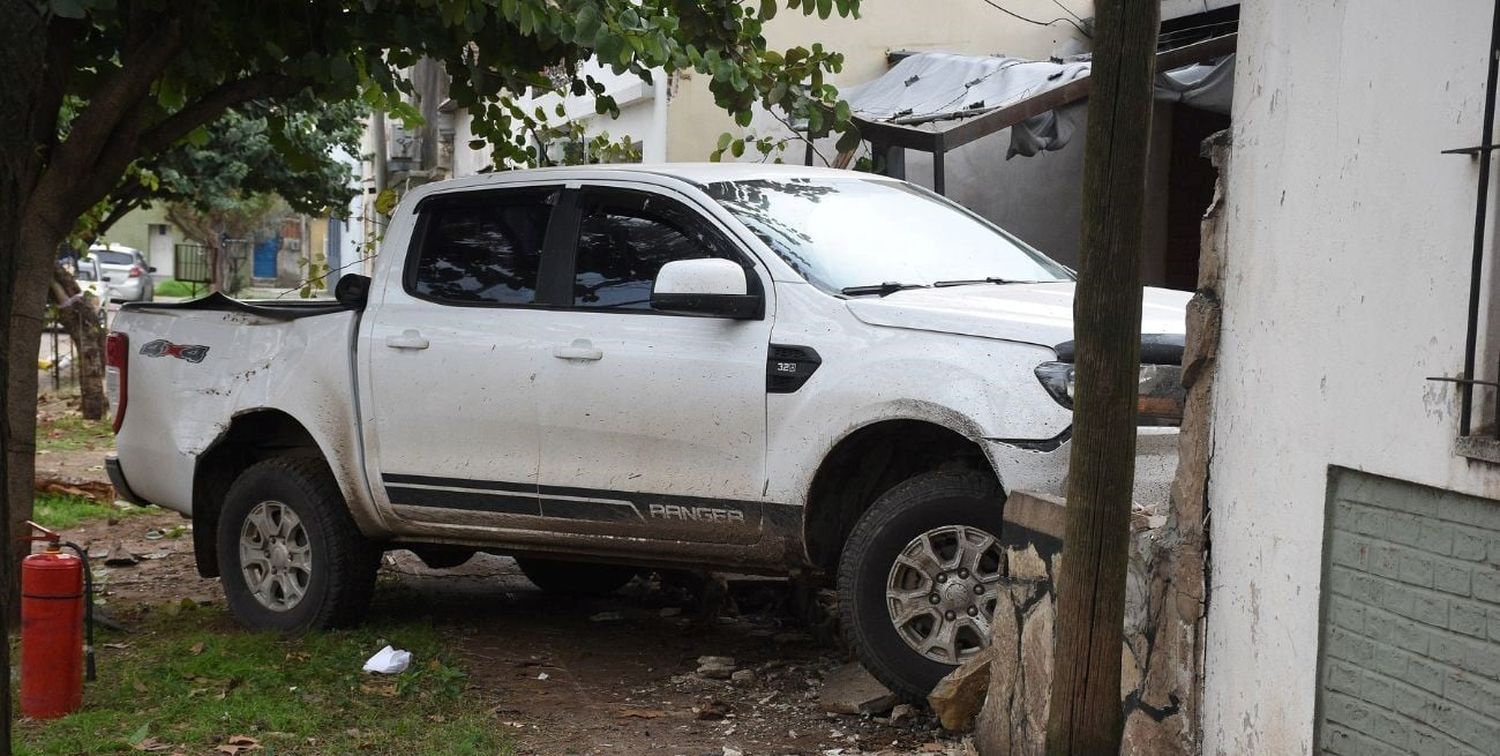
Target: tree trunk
{"points": [[78, 313], [1085, 714]]}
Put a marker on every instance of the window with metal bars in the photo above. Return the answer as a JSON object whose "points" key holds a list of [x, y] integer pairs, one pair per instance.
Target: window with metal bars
{"points": [[1473, 416]]}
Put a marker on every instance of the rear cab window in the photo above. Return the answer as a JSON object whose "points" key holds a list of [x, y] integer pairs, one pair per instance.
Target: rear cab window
{"points": [[481, 248]]}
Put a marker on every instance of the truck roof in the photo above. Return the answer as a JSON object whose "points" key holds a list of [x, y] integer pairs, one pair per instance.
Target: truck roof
{"points": [[694, 173]]}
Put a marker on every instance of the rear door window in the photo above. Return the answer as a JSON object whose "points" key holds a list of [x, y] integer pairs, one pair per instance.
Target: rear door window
{"points": [[484, 248]]}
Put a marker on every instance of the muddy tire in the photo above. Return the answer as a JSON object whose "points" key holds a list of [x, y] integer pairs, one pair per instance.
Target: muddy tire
{"points": [[290, 557], [575, 578], [918, 577]]}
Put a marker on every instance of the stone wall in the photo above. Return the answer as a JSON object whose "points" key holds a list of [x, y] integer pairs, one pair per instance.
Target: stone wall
{"points": [[1161, 674]]}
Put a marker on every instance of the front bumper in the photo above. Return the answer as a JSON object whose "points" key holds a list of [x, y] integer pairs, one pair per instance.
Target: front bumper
{"points": [[122, 488], [1042, 466]]}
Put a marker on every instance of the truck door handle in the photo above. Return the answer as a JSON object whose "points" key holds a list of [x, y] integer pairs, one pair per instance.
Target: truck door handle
{"points": [[409, 339], [581, 349]]}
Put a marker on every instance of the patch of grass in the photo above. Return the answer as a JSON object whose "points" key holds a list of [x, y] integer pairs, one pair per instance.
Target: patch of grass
{"points": [[189, 679], [62, 512], [70, 432], [175, 288]]}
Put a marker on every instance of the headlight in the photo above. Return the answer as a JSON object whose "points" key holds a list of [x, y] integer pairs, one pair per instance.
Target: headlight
{"points": [[1160, 396], [1057, 378]]}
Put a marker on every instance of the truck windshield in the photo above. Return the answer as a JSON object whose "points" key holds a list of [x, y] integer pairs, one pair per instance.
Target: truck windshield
{"points": [[860, 233]]}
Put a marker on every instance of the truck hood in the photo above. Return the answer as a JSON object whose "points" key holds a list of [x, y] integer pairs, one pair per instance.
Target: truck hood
{"points": [[1036, 313]]}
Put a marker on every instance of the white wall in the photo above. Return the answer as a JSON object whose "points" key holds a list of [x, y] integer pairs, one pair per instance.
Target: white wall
{"points": [[1346, 286]]}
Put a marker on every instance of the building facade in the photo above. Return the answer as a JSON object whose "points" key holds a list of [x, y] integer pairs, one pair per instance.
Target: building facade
{"points": [[1355, 558]]}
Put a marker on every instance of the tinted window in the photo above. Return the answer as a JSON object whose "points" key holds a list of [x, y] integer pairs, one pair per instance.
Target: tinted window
{"points": [[112, 258], [623, 240], [484, 249]]}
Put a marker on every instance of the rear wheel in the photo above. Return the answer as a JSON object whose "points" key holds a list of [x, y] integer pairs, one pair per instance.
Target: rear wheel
{"points": [[918, 579], [290, 556], [575, 578]]}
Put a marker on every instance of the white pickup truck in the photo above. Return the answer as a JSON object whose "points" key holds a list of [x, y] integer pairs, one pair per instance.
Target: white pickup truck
{"points": [[761, 369]]}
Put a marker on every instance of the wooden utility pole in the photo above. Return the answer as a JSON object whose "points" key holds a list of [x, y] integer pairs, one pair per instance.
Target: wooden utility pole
{"points": [[1086, 715]]}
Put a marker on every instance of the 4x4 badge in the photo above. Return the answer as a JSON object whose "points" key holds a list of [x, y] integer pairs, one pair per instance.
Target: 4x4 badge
{"points": [[162, 348]]}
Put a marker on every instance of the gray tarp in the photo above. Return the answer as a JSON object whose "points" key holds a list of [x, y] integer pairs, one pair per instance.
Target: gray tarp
{"points": [[937, 88]]}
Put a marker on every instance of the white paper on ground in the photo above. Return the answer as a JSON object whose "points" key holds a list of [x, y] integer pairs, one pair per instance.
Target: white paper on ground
{"points": [[389, 661]]}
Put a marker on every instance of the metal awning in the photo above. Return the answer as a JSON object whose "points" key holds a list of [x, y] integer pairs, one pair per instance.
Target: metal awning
{"points": [[935, 102]]}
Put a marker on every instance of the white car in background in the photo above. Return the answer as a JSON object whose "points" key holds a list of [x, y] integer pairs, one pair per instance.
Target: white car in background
{"points": [[748, 368], [130, 275]]}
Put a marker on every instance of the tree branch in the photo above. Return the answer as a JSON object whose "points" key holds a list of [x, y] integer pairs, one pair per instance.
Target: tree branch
{"points": [[213, 104]]}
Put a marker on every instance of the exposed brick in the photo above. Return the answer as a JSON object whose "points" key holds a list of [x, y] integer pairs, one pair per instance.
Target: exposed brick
{"points": [[1435, 537], [1345, 742], [1468, 618], [1427, 742], [1473, 693], [1410, 636], [1384, 561], [1346, 614], [1360, 519], [1470, 511], [1425, 675], [1343, 677], [1349, 550], [1377, 690], [1431, 608], [1416, 569], [1487, 584], [1477, 657], [1470, 546], [1451, 578], [1345, 645], [1369, 720]]}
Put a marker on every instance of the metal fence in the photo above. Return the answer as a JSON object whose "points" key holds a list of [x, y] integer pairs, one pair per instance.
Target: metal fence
{"points": [[193, 263]]}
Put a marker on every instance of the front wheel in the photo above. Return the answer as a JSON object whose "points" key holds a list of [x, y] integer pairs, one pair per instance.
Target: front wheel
{"points": [[919, 576], [290, 555]]}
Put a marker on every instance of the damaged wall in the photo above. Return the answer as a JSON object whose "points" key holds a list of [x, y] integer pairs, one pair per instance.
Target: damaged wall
{"points": [[1346, 286]]}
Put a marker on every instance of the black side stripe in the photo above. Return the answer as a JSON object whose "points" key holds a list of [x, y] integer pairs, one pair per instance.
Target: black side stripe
{"points": [[528, 498], [473, 501], [484, 485]]}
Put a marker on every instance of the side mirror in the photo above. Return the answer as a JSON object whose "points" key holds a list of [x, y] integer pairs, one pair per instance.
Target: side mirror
{"points": [[352, 290], [151, 269], [106, 279], [709, 286]]}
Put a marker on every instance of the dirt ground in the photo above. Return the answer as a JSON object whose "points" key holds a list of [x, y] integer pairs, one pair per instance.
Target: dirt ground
{"points": [[574, 676]]}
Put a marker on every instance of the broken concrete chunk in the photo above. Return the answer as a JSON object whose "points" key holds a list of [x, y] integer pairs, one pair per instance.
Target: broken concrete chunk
{"points": [[959, 696], [903, 714], [716, 667], [743, 677], [851, 690], [119, 556], [1026, 564]]}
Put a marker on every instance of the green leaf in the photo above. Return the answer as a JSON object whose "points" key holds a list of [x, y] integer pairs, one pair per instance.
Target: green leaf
{"points": [[737, 148], [767, 9], [385, 202], [67, 8], [587, 24], [825, 8], [848, 141], [724, 140], [841, 112]]}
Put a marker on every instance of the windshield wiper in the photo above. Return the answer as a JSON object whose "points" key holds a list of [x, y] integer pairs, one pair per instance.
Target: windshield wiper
{"points": [[883, 289], [972, 281]]}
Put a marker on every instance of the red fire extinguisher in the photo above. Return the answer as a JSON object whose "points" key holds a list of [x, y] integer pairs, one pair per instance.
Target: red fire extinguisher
{"points": [[56, 598]]}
